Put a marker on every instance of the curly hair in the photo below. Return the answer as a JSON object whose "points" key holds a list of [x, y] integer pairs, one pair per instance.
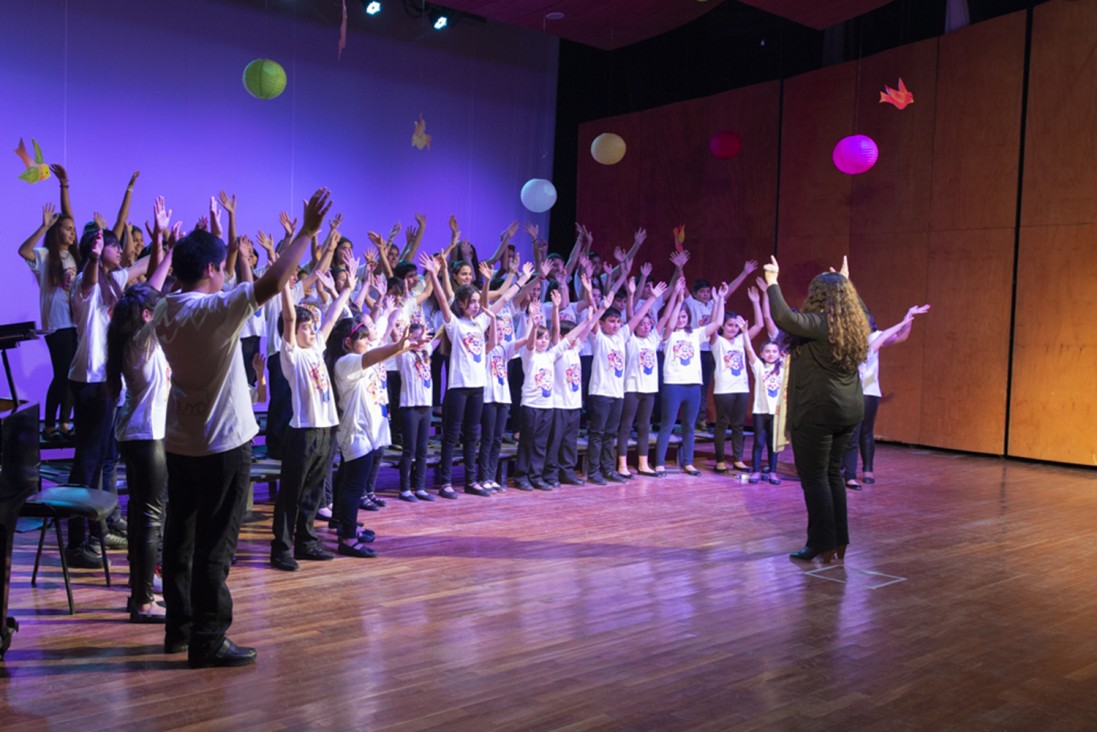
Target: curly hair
{"points": [[847, 327]]}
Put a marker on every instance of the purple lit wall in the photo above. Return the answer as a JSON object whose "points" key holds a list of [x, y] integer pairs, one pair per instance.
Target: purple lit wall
{"points": [[155, 86]]}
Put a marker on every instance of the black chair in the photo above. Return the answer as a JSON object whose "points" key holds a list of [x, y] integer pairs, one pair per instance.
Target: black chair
{"points": [[54, 505]]}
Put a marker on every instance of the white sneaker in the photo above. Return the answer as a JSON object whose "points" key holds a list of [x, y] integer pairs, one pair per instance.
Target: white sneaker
{"points": [[324, 512]]}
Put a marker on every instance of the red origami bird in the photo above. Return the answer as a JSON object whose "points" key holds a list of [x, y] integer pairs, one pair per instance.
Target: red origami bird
{"points": [[679, 236], [899, 97]]}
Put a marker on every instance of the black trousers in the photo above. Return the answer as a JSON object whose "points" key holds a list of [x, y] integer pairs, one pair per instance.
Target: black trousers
{"points": [[306, 456], [763, 437], [604, 417], [637, 408], [352, 482], [818, 451], [708, 368], [280, 407], [731, 409], [249, 346], [147, 484], [493, 422], [516, 377], [533, 443], [207, 496], [393, 381], [94, 443], [563, 445], [415, 426], [864, 438], [62, 347], [460, 420]]}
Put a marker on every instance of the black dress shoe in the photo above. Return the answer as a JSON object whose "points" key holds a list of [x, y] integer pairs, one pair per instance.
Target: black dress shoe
{"points": [[615, 478], [474, 491], [313, 554], [596, 479], [229, 654], [424, 496], [175, 645], [523, 484], [540, 484], [808, 553], [569, 478], [285, 563]]}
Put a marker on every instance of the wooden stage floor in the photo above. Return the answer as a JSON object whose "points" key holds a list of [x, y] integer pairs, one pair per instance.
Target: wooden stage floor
{"points": [[967, 601]]}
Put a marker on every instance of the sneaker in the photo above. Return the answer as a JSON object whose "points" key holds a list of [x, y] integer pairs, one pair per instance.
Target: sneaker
{"points": [[324, 512], [118, 526], [83, 556], [115, 541]]}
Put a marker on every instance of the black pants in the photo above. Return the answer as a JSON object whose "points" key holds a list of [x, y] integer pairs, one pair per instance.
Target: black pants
{"points": [[731, 409], [516, 377], [207, 496], [493, 422], [533, 444], [637, 408], [62, 347], [280, 407], [460, 420], [94, 442], [393, 381], [763, 437], [438, 362], [249, 346], [863, 437], [307, 455], [147, 484], [604, 416], [586, 366], [563, 445], [353, 482], [708, 367], [818, 452], [415, 425]]}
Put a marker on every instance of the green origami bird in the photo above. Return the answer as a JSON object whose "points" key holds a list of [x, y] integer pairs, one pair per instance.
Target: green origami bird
{"points": [[37, 169]]}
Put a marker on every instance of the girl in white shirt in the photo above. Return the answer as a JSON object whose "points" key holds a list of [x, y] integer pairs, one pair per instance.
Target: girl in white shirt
{"points": [[768, 379], [731, 387], [641, 379]]}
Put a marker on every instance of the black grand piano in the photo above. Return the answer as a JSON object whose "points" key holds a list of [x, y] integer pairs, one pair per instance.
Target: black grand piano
{"points": [[19, 459]]}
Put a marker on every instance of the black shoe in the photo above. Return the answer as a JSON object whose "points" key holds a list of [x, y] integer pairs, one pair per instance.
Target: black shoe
{"points": [[523, 484], [368, 505], [358, 549], [175, 644], [366, 536], [313, 554], [408, 496], [83, 556], [552, 484], [596, 479], [115, 541], [615, 478], [285, 563], [376, 500], [424, 496], [474, 491], [540, 484], [229, 654], [808, 553], [569, 478]]}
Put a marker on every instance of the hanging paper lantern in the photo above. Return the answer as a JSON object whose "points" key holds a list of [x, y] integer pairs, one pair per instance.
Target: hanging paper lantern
{"points": [[264, 79], [608, 148], [855, 154], [538, 195], [725, 145]]}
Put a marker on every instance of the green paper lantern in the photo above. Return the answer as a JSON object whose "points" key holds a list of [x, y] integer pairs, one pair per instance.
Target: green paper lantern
{"points": [[264, 79]]}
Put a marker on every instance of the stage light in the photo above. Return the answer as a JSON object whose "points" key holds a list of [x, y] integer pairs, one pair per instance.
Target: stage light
{"points": [[439, 18], [373, 8]]}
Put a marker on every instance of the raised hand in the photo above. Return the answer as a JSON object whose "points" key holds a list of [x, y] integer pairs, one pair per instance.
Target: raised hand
{"points": [[607, 268], [214, 217], [453, 226], [680, 286], [533, 309], [533, 230], [97, 245], [509, 232], [607, 302], [266, 241], [427, 262], [753, 295], [161, 215], [659, 289], [723, 291], [640, 236], [177, 232], [917, 310], [227, 202], [316, 208], [749, 266], [49, 215], [381, 284], [741, 322], [325, 279], [844, 271], [645, 269], [546, 267], [771, 269], [410, 233], [288, 224], [336, 222], [619, 254], [133, 179], [761, 282], [59, 171], [202, 224], [99, 220], [556, 298], [630, 286], [351, 264], [486, 271], [527, 271]]}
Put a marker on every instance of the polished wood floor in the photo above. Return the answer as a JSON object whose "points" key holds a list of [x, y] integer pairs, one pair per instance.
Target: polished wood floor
{"points": [[968, 601]]}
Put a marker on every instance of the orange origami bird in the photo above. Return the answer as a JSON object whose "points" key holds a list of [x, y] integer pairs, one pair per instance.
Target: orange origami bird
{"points": [[899, 97], [37, 169], [419, 137], [679, 236]]}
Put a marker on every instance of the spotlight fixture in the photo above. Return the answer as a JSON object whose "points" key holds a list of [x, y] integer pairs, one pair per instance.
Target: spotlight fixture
{"points": [[439, 18], [372, 8]]}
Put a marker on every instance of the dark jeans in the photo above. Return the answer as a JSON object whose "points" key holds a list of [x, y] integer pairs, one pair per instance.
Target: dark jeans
{"points": [[863, 437], [249, 346], [307, 457], [438, 361], [533, 444], [460, 419], [393, 380], [730, 409], [280, 407], [818, 451], [94, 441], [415, 425], [603, 418], [763, 437], [637, 408], [350, 485], [147, 484], [207, 495], [686, 397], [563, 444], [62, 347], [493, 422]]}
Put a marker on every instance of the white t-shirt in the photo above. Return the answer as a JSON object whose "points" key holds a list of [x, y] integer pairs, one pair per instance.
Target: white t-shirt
{"points": [[416, 387], [540, 382], [700, 316], [272, 309], [568, 371], [682, 357], [209, 409], [767, 386], [869, 369], [730, 375], [607, 371], [497, 390], [363, 427], [256, 325], [641, 363], [467, 363], [504, 326], [89, 364], [147, 380], [53, 301], [310, 389]]}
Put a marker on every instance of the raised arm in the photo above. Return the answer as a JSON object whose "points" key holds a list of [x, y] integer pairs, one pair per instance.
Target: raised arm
{"points": [[504, 242], [718, 311], [491, 338], [26, 249], [749, 266], [804, 325], [340, 302], [124, 209], [555, 316], [413, 237], [384, 353], [159, 260], [289, 226], [900, 331], [430, 266], [90, 276], [658, 290], [756, 302], [289, 316], [63, 179], [524, 279], [670, 316], [280, 271], [748, 347], [771, 328], [583, 241]]}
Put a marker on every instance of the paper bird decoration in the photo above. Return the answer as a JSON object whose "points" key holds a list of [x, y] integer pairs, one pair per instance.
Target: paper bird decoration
{"points": [[419, 137], [36, 169], [679, 236], [899, 97]]}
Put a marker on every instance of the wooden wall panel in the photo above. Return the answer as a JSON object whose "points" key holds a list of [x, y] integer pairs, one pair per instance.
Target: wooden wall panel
{"points": [[1053, 408], [1061, 142]]}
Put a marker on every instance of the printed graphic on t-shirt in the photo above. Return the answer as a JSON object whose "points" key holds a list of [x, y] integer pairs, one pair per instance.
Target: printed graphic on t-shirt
{"points": [[683, 351], [318, 377], [474, 344], [647, 360], [498, 368], [506, 327], [543, 378], [374, 388], [574, 376], [772, 380], [733, 361], [67, 280], [422, 371], [616, 361]]}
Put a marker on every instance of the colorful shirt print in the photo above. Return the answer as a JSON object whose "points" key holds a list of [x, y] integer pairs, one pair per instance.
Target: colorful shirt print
{"points": [[683, 351]]}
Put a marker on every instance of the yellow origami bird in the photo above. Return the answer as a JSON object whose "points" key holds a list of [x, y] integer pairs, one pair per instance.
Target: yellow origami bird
{"points": [[36, 169], [419, 137], [679, 236]]}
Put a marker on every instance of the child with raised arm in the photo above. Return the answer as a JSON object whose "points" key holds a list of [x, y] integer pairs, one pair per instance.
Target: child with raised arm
{"points": [[641, 379], [416, 391], [766, 367], [731, 388], [607, 389]]}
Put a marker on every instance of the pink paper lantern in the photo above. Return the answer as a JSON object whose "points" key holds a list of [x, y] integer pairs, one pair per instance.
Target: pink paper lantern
{"points": [[725, 145], [855, 154]]}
